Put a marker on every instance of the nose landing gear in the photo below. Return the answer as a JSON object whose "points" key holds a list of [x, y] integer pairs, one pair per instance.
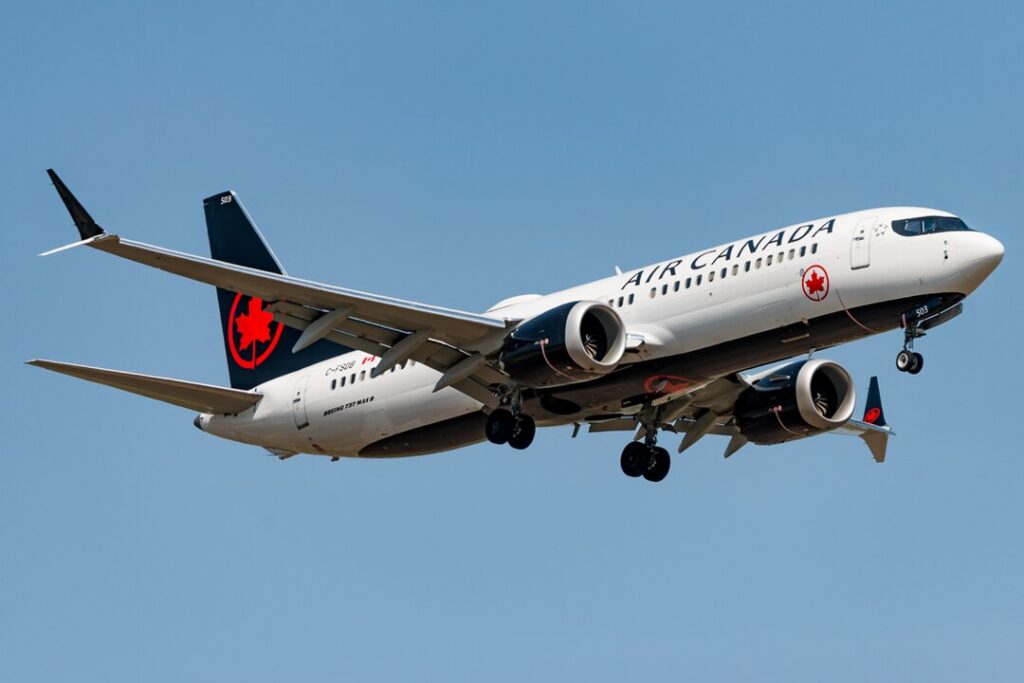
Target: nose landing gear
{"points": [[909, 360]]}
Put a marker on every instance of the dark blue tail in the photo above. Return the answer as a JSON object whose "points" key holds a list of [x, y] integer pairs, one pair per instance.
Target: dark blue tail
{"points": [[258, 348], [873, 413]]}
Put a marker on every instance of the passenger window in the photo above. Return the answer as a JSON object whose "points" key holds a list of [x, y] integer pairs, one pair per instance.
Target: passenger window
{"points": [[792, 254], [362, 375], [664, 289], [699, 277], [814, 248], [392, 368], [343, 381], [723, 273], [676, 287], [334, 384], [757, 266], [803, 250], [630, 299], [654, 290], [689, 281], [782, 256], [746, 267], [352, 379], [735, 268], [711, 276], [620, 302], [767, 261]]}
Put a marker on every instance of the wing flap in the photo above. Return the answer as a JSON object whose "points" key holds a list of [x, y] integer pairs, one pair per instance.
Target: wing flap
{"points": [[203, 398]]}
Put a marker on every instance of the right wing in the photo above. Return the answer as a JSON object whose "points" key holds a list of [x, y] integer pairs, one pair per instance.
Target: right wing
{"points": [[203, 398], [455, 343]]}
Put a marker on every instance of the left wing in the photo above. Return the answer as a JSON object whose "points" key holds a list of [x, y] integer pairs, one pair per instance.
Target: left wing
{"points": [[455, 343]]}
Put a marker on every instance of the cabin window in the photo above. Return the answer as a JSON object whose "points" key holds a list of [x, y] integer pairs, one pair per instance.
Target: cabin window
{"points": [[392, 368], [689, 281], [334, 384], [803, 250], [746, 267], [352, 379], [757, 266], [362, 375], [711, 276], [664, 289], [620, 302], [699, 278], [792, 254], [675, 288], [782, 256], [630, 299], [654, 290], [814, 248], [768, 260], [735, 268], [343, 381]]}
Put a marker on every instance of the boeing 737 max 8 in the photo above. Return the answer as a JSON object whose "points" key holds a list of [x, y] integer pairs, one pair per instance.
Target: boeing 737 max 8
{"points": [[669, 347]]}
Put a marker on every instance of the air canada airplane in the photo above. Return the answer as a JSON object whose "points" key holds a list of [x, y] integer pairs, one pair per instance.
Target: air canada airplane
{"points": [[669, 347]]}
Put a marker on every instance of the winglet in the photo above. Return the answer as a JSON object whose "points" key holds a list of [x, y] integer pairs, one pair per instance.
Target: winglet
{"points": [[873, 413], [87, 227]]}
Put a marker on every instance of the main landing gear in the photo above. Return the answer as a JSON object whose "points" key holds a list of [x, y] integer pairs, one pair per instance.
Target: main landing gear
{"points": [[641, 459], [646, 459], [511, 427]]}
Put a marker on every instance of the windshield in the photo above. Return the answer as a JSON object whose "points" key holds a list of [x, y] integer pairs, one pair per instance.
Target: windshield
{"points": [[927, 224]]}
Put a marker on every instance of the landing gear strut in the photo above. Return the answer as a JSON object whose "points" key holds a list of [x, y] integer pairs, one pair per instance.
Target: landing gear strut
{"points": [[909, 360], [511, 426], [646, 459]]}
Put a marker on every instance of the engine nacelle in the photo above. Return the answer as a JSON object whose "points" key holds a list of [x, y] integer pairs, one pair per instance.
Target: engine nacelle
{"points": [[570, 343], [802, 399]]}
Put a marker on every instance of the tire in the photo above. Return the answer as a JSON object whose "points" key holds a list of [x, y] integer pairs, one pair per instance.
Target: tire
{"points": [[635, 458], [500, 425], [904, 359], [916, 365], [659, 468], [522, 433]]}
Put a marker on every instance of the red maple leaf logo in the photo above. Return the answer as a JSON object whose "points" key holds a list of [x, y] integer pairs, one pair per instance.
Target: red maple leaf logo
{"points": [[815, 283], [254, 326]]}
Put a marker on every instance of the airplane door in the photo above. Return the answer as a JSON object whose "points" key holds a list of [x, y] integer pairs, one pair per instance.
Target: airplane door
{"points": [[299, 403], [860, 247]]}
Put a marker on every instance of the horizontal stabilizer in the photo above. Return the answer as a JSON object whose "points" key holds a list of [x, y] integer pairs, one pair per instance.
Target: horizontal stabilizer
{"points": [[203, 398]]}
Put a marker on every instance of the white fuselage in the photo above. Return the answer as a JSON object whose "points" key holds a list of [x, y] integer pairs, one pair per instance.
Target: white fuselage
{"points": [[684, 304]]}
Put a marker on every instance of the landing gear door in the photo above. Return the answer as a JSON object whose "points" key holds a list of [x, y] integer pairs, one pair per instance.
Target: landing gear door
{"points": [[299, 403], [860, 246]]}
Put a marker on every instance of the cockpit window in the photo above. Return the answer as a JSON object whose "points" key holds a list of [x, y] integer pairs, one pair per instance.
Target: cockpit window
{"points": [[927, 224]]}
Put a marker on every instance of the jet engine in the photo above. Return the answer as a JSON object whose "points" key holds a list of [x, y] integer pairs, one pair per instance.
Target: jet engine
{"points": [[574, 342], [801, 399]]}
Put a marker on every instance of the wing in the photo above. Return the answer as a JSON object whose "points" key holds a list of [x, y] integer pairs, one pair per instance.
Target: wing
{"points": [[709, 410], [455, 343], [203, 398]]}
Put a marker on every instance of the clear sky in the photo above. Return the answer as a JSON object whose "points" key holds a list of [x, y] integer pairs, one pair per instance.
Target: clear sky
{"points": [[457, 154]]}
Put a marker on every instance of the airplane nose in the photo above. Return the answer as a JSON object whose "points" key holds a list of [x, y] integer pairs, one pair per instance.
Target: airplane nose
{"points": [[981, 255]]}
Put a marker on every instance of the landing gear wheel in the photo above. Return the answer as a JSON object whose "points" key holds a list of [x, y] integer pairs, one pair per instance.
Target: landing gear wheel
{"points": [[635, 459], [500, 425], [916, 364], [904, 359], [659, 465], [523, 432]]}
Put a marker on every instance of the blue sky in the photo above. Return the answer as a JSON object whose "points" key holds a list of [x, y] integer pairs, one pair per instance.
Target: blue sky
{"points": [[458, 154]]}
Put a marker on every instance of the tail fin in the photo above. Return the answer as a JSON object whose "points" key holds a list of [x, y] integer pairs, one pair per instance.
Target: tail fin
{"points": [[873, 413], [258, 349]]}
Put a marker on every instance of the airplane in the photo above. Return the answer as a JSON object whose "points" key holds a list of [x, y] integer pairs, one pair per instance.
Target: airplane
{"points": [[674, 346]]}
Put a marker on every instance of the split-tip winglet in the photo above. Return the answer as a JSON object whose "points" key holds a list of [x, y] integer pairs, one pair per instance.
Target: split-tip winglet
{"points": [[87, 227]]}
